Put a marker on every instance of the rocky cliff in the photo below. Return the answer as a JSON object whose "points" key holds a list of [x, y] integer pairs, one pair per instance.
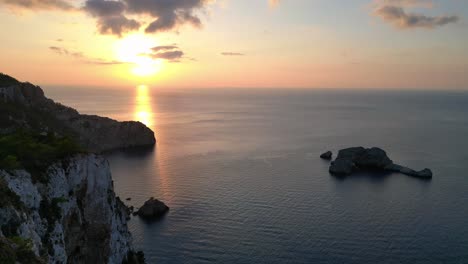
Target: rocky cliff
{"points": [[57, 201], [96, 133], [73, 218]]}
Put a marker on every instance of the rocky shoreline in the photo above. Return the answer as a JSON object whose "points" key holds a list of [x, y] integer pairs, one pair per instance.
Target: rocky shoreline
{"points": [[57, 199]]}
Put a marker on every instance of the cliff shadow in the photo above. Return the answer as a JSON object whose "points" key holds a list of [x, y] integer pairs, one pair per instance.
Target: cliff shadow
{"points": [[133, 152]]}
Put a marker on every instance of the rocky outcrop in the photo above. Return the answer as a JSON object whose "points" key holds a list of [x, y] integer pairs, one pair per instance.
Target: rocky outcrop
{"points": [[327, 155], [96, 133], [152, 209], [425, 173], [357, 159], [73, 218], [100, 134], [57, 202]]}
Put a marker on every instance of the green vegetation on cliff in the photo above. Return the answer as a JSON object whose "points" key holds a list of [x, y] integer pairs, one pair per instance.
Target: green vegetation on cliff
{"points": [[34, 152], [17, 250], [8, 197], [14, 116]]}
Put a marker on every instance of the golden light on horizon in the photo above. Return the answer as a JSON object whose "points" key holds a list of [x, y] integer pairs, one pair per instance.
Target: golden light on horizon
{"points": [[136, 49], [143, 111]]}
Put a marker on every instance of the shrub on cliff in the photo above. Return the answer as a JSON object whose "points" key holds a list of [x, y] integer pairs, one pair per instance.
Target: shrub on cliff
{"points": [[34, 152], [8, 197], [17, 250]]}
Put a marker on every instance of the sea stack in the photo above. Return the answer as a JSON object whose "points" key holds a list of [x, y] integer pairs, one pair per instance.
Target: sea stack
{"points": [[356, 159], [153, 209]]}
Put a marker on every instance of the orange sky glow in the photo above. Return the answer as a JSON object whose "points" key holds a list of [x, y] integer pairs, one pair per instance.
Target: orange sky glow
{"points": [[245, 44]]}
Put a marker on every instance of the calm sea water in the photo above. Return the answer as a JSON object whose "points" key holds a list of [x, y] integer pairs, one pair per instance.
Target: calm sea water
{"points": [[241, 174]]}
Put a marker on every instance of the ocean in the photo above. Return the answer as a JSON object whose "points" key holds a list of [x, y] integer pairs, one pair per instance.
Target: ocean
{"points": [[241, 173]]}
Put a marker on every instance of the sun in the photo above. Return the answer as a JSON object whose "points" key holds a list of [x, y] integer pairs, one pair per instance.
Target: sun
{"points": [[145, 66], [135, 49]]}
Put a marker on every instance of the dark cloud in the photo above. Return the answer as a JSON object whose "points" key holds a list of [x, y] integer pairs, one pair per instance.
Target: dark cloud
{"points": [[169, 14], [170, 53], [408, 3], [232, 54], [82, 57], [39, 4], [113, 15], [110, 17], [116, 25], [103, 8], [174, 55], [400, 18], [161, 48]]}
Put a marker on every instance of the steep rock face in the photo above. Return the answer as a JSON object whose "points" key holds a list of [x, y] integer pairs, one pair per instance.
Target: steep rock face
{"points": [[353, 159], [104, 134], [74, 218], [96, 133]]}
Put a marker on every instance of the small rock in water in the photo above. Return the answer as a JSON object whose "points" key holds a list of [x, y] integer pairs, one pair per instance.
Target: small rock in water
{"points": [[426, 173], [327, 155], [152, 209], [128, 199]]}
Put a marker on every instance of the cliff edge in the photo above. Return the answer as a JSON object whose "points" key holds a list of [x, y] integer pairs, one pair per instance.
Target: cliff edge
{"points": [[26, 106], [73, 217], [57, 199]]}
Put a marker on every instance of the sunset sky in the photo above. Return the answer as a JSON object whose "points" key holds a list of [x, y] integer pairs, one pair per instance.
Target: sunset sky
{"points": [[237, 43]]}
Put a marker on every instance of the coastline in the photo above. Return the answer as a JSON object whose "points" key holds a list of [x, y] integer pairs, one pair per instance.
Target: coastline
{"points": [[59, 203]]}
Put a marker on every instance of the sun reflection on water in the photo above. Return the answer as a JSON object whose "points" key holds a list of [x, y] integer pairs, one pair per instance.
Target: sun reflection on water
{"points": [[143, 111]]}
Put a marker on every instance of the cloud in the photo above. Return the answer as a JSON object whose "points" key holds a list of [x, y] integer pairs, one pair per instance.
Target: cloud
{"points": [[103, 8], [114, 16], [39, 4], [56, 49], [64, 51], [104, 62], [168, 14], [160, 48], [79, 55], [110, 17], [406, 3], [170, 53], [116, 25], [399, 18], [232, 54]]}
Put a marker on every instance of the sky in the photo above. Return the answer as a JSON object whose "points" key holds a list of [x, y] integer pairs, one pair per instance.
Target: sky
{"points": [[371, 44]]}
